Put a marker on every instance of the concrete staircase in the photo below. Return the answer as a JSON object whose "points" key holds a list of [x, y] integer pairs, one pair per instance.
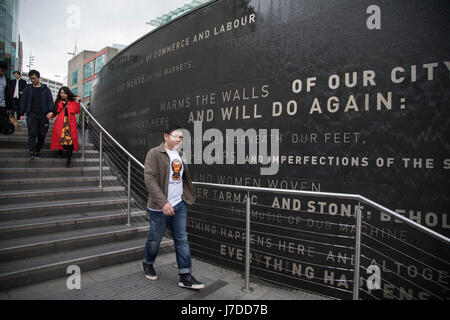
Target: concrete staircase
{"points": [[52, 217]]}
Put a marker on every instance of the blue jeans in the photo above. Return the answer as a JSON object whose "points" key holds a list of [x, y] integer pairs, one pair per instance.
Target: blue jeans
{"points": [[177, 224]]}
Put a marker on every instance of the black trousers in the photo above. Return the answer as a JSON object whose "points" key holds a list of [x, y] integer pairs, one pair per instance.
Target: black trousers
{"points": [[37, 131], [16, 108], [2, 117]]}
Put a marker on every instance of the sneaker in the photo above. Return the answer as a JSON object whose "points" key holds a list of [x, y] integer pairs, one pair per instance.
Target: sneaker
{"points": [[188, 281], [149, 271], [32, 156], [37, 155]]}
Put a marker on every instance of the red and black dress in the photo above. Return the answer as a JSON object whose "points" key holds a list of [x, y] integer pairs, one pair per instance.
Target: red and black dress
{"points": [[66, 136], [65, 133]]}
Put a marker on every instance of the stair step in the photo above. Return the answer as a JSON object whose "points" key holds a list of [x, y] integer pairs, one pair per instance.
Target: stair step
{"points": [[46, 225], [47, 162], [22, 248], [23, 272], [12, 197], [54, 208], [45, 153], [11, 142], [55, 182], [10, 173], [52, 217], [24, 134]]}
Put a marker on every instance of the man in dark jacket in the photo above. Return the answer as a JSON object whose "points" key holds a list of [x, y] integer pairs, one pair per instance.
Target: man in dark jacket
{"points": [[6, 102], [170, 192], [17, 87], [37, 103]]}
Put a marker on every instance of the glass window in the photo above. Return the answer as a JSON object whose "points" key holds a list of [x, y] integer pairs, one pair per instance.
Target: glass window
{"points": [[87, 89], [99, 63], [88, 70], [9, 35], [75, 77], [75, 91]]}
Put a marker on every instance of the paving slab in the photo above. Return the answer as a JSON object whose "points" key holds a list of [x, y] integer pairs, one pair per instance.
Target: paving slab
{"points": [[127, 282]]}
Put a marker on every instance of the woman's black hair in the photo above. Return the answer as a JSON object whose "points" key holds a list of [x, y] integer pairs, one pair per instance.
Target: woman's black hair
{"points": [[71, 97]]}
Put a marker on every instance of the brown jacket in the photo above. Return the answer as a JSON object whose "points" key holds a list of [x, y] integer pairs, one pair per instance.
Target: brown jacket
{"points": [[156, 175]]}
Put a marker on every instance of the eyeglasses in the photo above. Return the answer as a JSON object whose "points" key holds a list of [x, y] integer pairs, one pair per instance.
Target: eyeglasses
{"points": [[176, 137]]}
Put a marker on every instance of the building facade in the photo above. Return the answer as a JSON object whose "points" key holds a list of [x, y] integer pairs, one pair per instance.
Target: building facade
{"points": [[9, 35], [75, 71], [83, 70]]}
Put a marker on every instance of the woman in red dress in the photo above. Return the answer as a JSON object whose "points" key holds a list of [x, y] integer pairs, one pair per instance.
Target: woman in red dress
{"points": [[65, 134]]}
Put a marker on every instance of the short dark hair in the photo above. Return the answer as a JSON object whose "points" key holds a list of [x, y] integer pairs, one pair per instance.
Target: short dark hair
{"points": [[34, 73], [3, 65], [18, 72], [171, 128]]}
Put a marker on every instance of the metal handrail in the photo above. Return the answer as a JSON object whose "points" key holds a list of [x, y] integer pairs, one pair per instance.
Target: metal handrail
{"points": [[129, 155], [109, 136], [346, 196], [356, 197]]}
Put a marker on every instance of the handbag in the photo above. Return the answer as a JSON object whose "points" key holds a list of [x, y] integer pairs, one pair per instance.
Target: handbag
{"points": [[15, 123]]}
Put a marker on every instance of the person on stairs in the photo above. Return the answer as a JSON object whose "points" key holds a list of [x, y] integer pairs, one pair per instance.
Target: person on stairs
{"points": [[37, 103], [6, 102], [17, 87], [65, 134], [171, 191]]}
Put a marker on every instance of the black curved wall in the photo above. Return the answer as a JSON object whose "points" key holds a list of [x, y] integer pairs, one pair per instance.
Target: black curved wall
{"points": [[374, 120]]}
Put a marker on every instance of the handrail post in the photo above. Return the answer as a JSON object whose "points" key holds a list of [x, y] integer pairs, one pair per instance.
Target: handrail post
{"points": [[101, 158], [356, 274], [83, 130], [129, 192], [247, 288]]}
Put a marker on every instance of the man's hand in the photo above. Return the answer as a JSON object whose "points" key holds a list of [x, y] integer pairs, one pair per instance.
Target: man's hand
{"points": [[168, 210]]}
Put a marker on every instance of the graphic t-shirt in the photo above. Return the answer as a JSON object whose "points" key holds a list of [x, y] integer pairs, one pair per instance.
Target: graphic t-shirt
{"points": [[175, 190]]}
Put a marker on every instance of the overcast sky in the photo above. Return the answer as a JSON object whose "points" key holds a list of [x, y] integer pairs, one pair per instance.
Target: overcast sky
{"points": [[49, 27]]}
